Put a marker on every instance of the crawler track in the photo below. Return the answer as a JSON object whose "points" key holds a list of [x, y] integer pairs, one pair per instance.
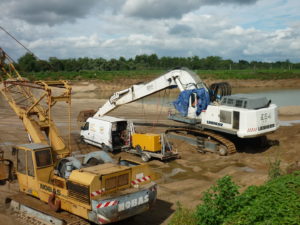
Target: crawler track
{"points": [[41, 207], [197, 132]]}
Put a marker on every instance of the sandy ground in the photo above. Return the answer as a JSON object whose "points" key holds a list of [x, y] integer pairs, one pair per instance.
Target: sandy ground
{"points": [[180, 180]]}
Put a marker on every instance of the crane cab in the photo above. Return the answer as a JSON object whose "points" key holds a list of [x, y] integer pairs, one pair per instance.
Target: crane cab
{"points": [[34, 164]]}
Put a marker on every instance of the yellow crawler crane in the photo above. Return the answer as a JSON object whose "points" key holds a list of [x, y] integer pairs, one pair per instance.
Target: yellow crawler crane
{"points": [[77, 188]]}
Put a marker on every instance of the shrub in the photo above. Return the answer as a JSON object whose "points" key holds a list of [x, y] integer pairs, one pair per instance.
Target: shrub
{"points": [[276, 202], [218, 202]]}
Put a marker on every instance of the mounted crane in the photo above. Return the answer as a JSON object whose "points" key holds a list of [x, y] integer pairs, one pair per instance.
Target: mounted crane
{"points": [[78, 188], [212, 114]]}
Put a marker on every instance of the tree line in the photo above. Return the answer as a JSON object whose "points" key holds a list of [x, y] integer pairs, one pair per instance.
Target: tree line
{"points": [[29, 63]]}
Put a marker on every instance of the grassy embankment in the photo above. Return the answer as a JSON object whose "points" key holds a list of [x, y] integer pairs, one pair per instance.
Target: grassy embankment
{"points": [[276, 202], [204, 74]]}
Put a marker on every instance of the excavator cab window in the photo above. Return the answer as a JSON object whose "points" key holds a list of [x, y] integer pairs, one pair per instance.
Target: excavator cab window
{"points": [[194, 100], [43, 158]]}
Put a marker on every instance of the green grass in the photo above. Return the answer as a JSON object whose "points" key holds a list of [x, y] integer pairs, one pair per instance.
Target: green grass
{"points": [[92, 75], [250, 74], [204, 74]]}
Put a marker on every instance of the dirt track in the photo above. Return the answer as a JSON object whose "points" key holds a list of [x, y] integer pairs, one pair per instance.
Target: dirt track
{"points": [[181, 180]]}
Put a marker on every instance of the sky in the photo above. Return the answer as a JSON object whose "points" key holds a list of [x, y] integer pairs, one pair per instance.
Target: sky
{"points": [[261, 30]]}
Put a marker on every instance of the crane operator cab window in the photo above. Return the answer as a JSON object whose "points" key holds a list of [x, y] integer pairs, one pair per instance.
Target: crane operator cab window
{"points": [[24, 157], [21, 160], [43, 158]]}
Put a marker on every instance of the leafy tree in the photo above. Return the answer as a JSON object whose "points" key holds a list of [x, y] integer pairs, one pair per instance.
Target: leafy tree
{"points": [[243, 64], [27, 62], [56, 64], [212, 62], [41, 65]]}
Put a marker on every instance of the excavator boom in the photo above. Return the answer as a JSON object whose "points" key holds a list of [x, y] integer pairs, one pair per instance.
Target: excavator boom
{"points": [[183, 79]]}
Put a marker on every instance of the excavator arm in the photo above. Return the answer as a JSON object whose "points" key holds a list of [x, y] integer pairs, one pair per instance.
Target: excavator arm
{"points": [[183, 79]]}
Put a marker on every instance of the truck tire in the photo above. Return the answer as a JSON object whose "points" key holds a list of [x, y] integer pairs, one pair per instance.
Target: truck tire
{"points": [[81, 140], [145, 157], [105, 148]]}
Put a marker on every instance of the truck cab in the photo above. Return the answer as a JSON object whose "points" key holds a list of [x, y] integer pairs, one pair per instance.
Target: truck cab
{"points": [[106, 132]]}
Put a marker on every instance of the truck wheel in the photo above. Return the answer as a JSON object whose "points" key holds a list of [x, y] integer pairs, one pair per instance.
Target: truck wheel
{"points": [[145, 157], [81, 140], [223, 150], [105, 148]]}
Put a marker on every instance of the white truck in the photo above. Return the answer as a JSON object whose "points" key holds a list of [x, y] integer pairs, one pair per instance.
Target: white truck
{"points": [[116, 134], [211, 118], [109, 133]]}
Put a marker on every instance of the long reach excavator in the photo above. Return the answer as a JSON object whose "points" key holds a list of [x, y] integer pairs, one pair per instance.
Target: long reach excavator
{"points": [[211, 114], [56, 186]]}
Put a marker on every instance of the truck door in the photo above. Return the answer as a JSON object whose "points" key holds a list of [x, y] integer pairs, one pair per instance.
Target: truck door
{"points": [[87, 132], [102, 134]]}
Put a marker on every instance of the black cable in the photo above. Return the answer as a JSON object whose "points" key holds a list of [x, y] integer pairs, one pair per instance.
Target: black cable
{"points": [[18, 42]]}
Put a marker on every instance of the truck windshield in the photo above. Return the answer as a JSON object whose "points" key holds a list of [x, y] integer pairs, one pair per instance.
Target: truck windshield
{"points": [[86, 126], [43, 158]]}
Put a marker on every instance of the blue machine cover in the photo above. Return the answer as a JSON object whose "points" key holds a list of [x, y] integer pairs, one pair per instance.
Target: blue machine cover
{"points": [[182, 102]]}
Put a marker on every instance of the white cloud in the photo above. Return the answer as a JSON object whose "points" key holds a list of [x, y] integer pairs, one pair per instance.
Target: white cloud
{"points": [[49, 12], [155, 9], [106, 29]]}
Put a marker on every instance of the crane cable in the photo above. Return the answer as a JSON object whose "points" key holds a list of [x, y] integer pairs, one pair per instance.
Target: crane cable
{"points": [[27, 49]]}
